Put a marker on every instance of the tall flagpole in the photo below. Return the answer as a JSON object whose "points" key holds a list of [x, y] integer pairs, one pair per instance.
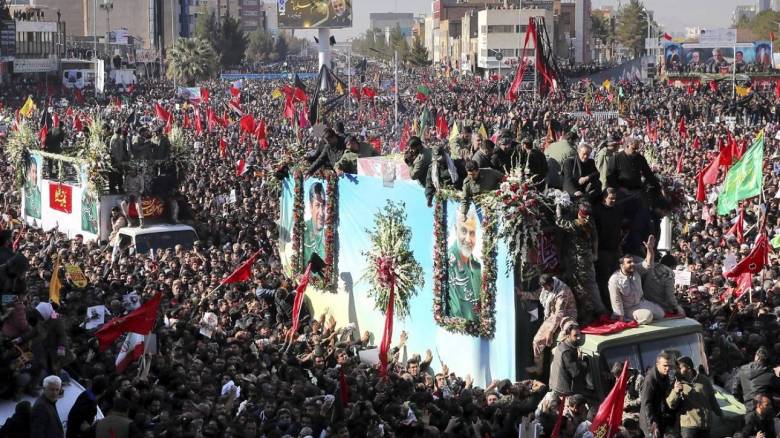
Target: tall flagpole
{"points": [[349, 80]]}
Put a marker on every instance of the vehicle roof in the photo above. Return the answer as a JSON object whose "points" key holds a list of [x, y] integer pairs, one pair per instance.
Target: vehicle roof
{"points": [[154, 229], [656, 330]]}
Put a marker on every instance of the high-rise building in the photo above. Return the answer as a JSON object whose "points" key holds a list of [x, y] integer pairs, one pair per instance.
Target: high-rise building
{"points": [[762, 5], [389, 20]]}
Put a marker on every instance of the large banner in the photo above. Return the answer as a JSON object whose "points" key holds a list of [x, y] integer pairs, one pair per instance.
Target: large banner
{"points": [[718, 59], [484, 358], [32, 188], [312, 14]]}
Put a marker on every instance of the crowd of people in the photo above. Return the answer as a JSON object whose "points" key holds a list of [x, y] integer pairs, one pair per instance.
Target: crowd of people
{"points": [[248, 376]]}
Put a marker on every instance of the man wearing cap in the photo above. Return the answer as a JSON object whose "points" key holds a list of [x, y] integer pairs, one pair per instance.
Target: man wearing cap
{"points": [[625, 289], [464, 271], [478, 181], [605, 153], [559, 307]]}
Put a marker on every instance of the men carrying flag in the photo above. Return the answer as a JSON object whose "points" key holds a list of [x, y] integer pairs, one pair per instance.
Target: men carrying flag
{"points": [[609, 417], [139, 321]]}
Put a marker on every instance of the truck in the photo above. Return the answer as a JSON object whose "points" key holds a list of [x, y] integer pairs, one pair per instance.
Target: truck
{"points": [[67, 202], [641, 346]]}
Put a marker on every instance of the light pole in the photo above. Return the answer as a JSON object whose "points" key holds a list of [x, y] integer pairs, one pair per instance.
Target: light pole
{"points": [[107, 6]]}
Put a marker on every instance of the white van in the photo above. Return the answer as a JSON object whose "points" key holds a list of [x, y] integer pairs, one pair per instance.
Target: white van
{"points": [[162, 236]]}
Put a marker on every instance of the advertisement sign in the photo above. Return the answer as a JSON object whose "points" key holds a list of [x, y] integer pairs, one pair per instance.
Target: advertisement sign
{"points": [[717, 37], [313, 14], [35, 65], [7, 40], [718, 58]]}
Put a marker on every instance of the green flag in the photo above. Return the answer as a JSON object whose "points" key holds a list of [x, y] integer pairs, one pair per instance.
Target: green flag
{"points": [[620, 92], [775, 242], [744, 179], [424, 120]]}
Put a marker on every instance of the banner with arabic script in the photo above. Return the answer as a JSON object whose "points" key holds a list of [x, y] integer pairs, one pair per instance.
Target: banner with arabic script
{"points": [[61, 197]]}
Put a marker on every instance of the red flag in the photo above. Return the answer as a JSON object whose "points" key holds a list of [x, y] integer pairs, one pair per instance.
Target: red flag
{"points": [[725, 155], [681, 128], [225, 120], [667, 37], [161, 112], [211, 119], [235, 92], [198, 123], [343, 388], [376, 143], [186, 123], [744, 283], [236, 107], [69, 112], [298, 300], [78, 126], [690, 89], [42, 136], [369, 93], [738, 228], [710, 173], [609, 417], [404, 137], [240, 167], [355, 92], [556, 432], [587, 110], [169, 124], [132, 350], [303, 119], [260, 134], [387, 334], [140, 320], [771, 36], [55, 121], [696, 143], [753, 262], [701, 193], [204, 94], [247, 124], [289, 108], [242, 272], [442, 127], [713, 86], [222, 148], [680, 162], [777, 88]]}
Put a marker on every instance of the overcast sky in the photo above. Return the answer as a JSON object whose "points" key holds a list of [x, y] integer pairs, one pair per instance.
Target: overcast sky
{"points": [[674, 15]]}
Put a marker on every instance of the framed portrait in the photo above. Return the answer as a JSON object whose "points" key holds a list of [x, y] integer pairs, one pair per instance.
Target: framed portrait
{"points": [[464, 269], [315, 217]]}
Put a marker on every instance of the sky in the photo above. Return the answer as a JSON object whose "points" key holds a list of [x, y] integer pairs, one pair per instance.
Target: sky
{"points": [[674, 15]]}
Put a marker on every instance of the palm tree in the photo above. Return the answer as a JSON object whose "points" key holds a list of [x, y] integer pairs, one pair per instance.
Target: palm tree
{"points": [[191, 60]]}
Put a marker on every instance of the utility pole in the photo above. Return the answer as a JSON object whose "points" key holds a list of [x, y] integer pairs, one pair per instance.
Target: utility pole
{"points": [[173, 35], [107, 6]]}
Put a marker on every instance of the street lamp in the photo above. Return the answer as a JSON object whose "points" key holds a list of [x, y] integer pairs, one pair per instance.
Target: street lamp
{"points": [[107, 6]]}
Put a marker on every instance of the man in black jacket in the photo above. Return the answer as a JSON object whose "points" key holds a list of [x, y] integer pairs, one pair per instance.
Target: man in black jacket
{"points": [[756, 378], [505, 156], [533, 163], [45, 421], [761, 422], [567, 371], [628, 169], [654, 419], [331, 153], [83, 412], [580, 176]]}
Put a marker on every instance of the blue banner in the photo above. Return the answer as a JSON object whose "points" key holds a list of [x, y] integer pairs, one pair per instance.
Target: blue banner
{"points": [[265, 76]]}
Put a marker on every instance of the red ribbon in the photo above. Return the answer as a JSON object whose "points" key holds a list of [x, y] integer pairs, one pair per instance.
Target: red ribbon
{"points": [[387, 277]]}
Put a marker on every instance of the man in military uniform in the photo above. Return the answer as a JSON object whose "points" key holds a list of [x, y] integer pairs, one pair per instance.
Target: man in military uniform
{"points": [[477, 182], [314, 228], [418, 158], [464, 271]]}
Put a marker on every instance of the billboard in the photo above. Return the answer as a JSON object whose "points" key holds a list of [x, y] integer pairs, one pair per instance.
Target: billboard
{"points": [[7, 40], [313, 14], [717, 58]]}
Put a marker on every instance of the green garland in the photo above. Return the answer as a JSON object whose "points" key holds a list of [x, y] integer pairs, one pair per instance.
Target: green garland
{"points": [[390, 254], [17, 150], [97, 156], [486, 324], [330, 274]]}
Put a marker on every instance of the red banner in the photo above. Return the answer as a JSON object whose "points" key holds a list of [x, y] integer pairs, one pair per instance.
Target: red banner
{"points": [[61, 197]]}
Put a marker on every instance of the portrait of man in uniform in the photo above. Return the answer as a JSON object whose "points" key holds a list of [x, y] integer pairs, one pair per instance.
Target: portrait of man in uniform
{"points": [[465, 271]]}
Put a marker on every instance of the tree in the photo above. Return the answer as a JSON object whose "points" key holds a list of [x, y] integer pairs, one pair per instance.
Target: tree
{"points": [[761, 24], [632, 27], [601, 28], [281, 49], [418, 56], [191, 60], [232, 42], [206, 26], [261, 46]]}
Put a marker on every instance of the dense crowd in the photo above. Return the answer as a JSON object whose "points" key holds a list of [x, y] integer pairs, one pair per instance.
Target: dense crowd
{"points": [[622, 177]]}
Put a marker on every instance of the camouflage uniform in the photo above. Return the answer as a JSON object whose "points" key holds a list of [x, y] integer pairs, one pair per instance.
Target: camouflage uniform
{"points": [[579, 266]]}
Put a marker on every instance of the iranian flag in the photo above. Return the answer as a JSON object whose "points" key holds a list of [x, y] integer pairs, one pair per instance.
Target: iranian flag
{"points": [[132, 350]]}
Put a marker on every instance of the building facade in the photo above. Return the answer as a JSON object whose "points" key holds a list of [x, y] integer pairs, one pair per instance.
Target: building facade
{"points": [[381, 21], [504, 31]]}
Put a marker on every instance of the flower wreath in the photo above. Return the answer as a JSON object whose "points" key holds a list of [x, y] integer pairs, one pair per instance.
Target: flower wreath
{"points": [[391, 260], [329, 279], [486, 325]]}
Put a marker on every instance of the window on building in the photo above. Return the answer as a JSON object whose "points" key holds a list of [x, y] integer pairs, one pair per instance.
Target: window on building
{"points": [[500, 28], [249, 13], [249, 2], [523, 28]]}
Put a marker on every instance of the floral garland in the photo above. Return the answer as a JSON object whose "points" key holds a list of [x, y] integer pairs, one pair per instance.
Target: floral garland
{"points": [[298, 225], [329, 279], [486, 324], [95, 152], [390, 260], [17, 150]]}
